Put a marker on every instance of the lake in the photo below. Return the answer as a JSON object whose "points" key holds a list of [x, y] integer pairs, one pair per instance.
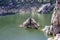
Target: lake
{"points": [[10, 30]]}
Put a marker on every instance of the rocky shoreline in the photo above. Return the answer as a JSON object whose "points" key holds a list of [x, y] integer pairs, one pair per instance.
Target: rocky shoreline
{"points": [[54, 29]]}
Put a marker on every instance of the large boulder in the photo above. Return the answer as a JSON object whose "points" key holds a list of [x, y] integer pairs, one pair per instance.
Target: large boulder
{"points": [[30, 22]]}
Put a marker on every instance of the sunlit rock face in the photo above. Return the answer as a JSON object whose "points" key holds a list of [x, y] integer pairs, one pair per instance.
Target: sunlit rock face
{"points": [[54, 29], [48, 30], [55, 21], [56, 17], [30, 22]]}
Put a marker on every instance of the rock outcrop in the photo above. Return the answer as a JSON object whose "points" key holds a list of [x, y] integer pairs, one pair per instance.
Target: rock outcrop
{"points": [[30, 23], [55, 21], [54, 29]]}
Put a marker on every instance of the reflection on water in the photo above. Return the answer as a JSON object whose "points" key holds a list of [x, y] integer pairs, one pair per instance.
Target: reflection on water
{"points": [[9, 29]]}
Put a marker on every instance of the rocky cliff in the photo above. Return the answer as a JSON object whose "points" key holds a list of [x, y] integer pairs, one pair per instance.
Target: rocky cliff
{"points": [[54, 29]]}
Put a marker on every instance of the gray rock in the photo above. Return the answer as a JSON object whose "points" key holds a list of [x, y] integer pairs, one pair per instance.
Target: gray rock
{"points": [[55, 21], [30, 22]]}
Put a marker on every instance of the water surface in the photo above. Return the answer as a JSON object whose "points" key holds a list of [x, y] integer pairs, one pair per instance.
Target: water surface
{"points": [[10, 30]]}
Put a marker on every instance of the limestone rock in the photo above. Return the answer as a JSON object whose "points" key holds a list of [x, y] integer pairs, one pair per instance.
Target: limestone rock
{"points": [[54, 29], [56, 14], [55, 21]]}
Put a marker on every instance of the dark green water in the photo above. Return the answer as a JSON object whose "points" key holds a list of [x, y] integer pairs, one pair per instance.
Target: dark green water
{"points": [[10, 30]]}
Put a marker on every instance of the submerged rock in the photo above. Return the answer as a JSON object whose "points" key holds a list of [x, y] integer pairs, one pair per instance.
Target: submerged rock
{"points": [[30, 22]]}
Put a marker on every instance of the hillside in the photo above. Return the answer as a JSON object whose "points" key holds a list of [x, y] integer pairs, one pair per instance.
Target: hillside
{"points": [[14, 6]]}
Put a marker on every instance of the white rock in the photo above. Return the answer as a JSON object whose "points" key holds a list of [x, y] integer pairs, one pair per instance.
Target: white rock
{"points": [[57, 37], [50, 38], [46, 30]]}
